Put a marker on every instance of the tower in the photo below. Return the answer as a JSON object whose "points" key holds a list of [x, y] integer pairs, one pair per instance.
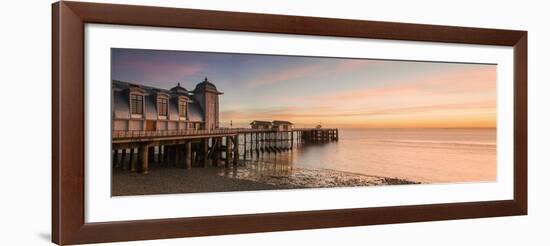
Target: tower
{"points": [[206, 95]]}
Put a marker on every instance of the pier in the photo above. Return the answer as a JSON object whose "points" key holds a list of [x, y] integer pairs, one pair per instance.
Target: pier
{"points": [[136, 150]]}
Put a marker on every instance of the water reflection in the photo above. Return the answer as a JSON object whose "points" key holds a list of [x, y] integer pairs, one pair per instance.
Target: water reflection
{"points": [[421, 155], [279, 169]]}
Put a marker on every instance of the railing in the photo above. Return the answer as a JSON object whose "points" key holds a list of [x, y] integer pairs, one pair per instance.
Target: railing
{"points": [[193, 132], [168, 133], [310, 129]]}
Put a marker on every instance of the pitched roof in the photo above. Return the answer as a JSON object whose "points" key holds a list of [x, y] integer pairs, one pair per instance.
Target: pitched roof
{"points": [[282, 122], [260, 122]]}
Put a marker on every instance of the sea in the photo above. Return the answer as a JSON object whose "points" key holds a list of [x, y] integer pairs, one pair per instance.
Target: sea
{"points": [[420, 155]]}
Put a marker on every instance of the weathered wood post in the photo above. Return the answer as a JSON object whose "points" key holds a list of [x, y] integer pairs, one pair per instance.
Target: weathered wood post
{"points": [[165, 154], [159, 154], [176, 152], [236, 149], [227, 151], [188, 154], [144, 158], [122, 158], [151, 153], [131, 155], [205, 152], [132, 163], [163, 159], [291, 140], [256, 145], [244, 153], [115, 157], [262, 145], [216, 147]]}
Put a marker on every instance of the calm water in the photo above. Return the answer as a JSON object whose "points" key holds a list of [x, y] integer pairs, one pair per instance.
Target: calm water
{"points": [[424, 155]]}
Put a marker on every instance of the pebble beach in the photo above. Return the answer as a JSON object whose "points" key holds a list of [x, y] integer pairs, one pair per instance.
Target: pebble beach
{"points": [[171, 180]]}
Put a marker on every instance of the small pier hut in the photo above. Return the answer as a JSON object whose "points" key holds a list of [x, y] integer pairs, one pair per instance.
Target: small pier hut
{"points": [[282, 125], [260, 124]]}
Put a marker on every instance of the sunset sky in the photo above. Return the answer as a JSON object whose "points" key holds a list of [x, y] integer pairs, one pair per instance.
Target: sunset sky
{"points": [[345, 93]]}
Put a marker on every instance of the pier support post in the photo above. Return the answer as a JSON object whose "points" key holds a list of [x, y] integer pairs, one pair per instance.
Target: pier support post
{"points": [[205, 152], [291, 140], [163, 159], [236, 155], [262, 138], [122, 159], [132, 163], [227, 151], [176, 152], [174, 156], [165, 154], [157, 155], [115, 158], [151, 154], [244, 153], [216, 147], [188, 155], [144, 157], [256, 144], [127, 166]]}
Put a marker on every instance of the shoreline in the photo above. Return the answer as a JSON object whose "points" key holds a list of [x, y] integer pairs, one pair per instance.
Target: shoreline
{"points": [[172, 180]]}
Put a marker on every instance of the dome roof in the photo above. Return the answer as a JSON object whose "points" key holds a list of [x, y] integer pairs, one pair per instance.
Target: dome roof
{"points": [[180, 90], [206, 86]]}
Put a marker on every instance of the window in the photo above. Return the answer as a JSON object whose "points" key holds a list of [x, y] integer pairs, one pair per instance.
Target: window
{"points": [[183, 109], [162, 106], [136, 104]]}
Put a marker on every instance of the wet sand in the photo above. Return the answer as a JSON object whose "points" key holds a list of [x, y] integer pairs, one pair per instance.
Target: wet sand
{"points": [[166, 180]]}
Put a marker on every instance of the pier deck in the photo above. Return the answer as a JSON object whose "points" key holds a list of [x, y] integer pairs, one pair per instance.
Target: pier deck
{"points": [[188, 148]]}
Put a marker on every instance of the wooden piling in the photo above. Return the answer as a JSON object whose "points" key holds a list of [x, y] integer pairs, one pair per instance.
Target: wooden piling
{"points": [[151, 154], [144, 159], [175, 155], [115, 158], [165, 155], [216, 147], [257, 144], [188, 154], [236, 150], [122, 159], [244, 151], [132, 163], [205, 152], [227, 151]]}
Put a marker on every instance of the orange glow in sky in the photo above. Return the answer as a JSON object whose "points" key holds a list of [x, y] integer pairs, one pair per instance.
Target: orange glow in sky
{"points": [[345, 93]]}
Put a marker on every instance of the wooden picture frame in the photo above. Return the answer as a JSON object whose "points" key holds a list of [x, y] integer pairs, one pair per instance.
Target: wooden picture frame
{"points": [[68, 223]]}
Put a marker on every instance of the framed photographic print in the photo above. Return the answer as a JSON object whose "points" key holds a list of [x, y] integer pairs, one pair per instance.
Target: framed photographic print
{"points": [[176, 122]]}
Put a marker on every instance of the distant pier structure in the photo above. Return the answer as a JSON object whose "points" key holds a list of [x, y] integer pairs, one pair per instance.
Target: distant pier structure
{"points": [[180, 128]]}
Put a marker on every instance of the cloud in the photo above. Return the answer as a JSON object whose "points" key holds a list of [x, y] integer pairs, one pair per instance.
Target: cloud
{"points": [[322, 112], [283, 75], [460, 83], [306, 71], [466, 97], [151, 71]]}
